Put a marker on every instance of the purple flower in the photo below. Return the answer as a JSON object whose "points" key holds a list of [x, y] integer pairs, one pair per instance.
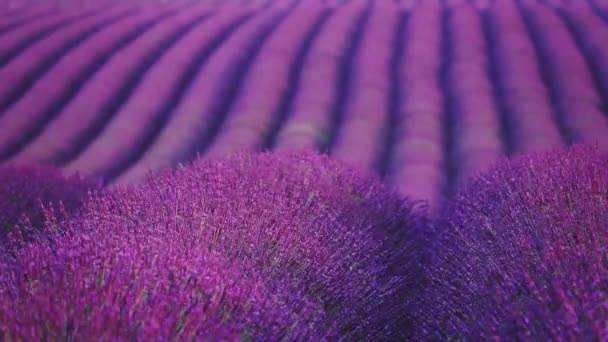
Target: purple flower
{"points": [[521, 253], [267, 246], [26, 192]]}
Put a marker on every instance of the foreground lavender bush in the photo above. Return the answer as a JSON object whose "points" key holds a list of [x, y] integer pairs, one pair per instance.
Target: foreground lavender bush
{"points": [[521, 253], [27, 191], [269, 246], [111, 282]]}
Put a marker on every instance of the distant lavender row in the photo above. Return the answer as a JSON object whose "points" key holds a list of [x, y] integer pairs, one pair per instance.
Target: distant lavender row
{"points": [[250, 117], [359, 139], [418, 158], [307, 125], [476, 120], [425, 92]]}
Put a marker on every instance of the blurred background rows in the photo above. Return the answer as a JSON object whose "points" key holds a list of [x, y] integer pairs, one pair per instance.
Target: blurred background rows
{"points": [[425, 93]]}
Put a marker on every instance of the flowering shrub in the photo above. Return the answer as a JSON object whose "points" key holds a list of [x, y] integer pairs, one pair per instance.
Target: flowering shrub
{"points": [[521, 253], [106, 282], [27, 191], [267, 246]]}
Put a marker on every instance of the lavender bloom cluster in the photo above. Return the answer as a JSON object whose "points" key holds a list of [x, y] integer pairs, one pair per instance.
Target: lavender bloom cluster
{"points": [[269, 246], [26, 192], [520, 253]]}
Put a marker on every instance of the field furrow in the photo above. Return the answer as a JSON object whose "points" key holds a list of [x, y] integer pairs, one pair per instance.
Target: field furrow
{"points": [[426, 93]]}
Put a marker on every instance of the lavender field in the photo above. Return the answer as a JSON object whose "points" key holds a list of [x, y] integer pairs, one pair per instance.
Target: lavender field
{"points": [[200, 209], [425, 93]]}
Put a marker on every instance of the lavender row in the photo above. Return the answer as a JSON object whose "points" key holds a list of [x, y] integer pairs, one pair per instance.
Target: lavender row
{"points": [[28, 193], [193, 120], [110, 88], [590, 32], [10, 21], [477, 127], [20, 38], [529, 113], [301, 246], [249, 120], [577, 101], [149, 101], [418, 158], [84, 80], [360, 137], [44, 101], [268, 246], [34, 62], [75, 117], [10, 8], [308, 122], [519, 253]]}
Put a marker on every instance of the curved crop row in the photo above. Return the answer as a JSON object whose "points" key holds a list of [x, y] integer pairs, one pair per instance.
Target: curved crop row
{"points": [[360, 137], [22, 72], [119, 89], [143, 105], [477, 127], [42, 105], [346, 69], [528, 109], [418, 157], [149, 106], [308, 122], [13, 7], [11, 21], [576, 97], [15, 41], [194, 118], [250, 118], [591, 33], [76, 117], [103, 96]]}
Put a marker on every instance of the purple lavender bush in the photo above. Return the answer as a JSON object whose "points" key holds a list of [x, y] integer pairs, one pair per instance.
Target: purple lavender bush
{"points": [[269, 246], [106, 280], [520, 253], [26, 192]]}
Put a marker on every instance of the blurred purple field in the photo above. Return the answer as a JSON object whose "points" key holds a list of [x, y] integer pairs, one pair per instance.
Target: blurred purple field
{"points": [[425, 93], [159, 177]]}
